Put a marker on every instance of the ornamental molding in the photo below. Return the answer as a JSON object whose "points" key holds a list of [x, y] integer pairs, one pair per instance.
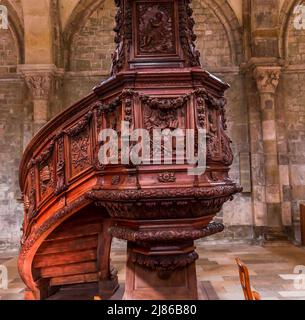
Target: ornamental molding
{"points": [[140, 194], [164, 265], [128, 234]]}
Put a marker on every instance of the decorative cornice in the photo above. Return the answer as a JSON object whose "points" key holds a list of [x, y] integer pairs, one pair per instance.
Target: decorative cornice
{"points": [[165, 235], [136, 194]]}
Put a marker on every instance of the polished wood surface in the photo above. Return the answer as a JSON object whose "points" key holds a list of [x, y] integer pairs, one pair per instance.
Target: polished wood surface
{"points": [[245, 282], [74, 205], [302, 218]]}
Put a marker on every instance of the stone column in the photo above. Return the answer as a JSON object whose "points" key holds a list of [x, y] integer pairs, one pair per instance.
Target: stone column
{"points": [[267, 79], [39, 80]]}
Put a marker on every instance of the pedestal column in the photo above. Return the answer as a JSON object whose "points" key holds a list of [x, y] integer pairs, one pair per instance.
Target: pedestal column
{"points": [[267, 79], [161, 257]]}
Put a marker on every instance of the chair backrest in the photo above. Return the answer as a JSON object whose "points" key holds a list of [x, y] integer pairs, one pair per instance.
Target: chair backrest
{"points": [[245, 281], [302, 216]]}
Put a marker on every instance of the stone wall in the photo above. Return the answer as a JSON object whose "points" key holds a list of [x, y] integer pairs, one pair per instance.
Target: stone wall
{"points": [[8, 53], [93, 44], [212, 40], [293, 101], [90, 53], [296, 43], [11, 135]]}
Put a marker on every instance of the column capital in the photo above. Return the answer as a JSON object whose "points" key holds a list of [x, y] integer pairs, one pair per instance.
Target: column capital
{"points": [[267, 78], [39, 79]]}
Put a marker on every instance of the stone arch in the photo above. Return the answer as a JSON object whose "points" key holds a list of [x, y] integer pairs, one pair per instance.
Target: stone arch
{"points": [[223, 18], [17, 31], [56, 34], [285, 21], [84, 14]]}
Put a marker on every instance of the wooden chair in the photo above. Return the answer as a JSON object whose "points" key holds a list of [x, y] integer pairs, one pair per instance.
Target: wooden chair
{"points": [[302, 215], [245, 282]]}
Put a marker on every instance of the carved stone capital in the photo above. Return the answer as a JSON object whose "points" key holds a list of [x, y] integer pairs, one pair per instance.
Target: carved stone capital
{"points": [[39, 80], [39, 85], [267, 78]]}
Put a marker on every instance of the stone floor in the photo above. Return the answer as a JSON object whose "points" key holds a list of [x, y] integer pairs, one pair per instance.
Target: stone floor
{"points": [[271, 270]]}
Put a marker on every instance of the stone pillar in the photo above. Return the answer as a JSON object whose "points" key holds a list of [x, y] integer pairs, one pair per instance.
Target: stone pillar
{"points": [[267, 79], [39, 80]]}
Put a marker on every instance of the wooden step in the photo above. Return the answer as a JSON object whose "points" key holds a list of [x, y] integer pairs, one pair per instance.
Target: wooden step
{"points": [[68, 245], [75, 279], [67, 270], [75, 231], [66, 258]]}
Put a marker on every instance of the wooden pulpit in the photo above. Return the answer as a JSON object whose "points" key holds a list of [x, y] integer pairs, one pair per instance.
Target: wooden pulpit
{"points": [[75, 203]]}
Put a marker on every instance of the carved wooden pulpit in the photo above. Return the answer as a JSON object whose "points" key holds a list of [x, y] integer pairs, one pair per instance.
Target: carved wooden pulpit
{"points": [[74, 203]]}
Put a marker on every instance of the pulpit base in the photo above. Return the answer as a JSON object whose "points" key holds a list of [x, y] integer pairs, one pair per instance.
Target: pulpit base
{"points": [[169, 276]]}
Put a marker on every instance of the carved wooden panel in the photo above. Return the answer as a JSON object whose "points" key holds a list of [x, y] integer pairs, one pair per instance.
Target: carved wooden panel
{"points": [[46, 178], [46, 171], [164, 113], [156, 32], [60, 166], [80, 153]]}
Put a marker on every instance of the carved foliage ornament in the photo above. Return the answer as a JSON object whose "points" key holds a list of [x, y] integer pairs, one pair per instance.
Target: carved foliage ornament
{"points": [[267, 78], [165, 235], [60, 170], [123, 37], [167, 177], [164, 265], [80, 144], [187, 35], [132, 195], [162, 113], [39, 85]]}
